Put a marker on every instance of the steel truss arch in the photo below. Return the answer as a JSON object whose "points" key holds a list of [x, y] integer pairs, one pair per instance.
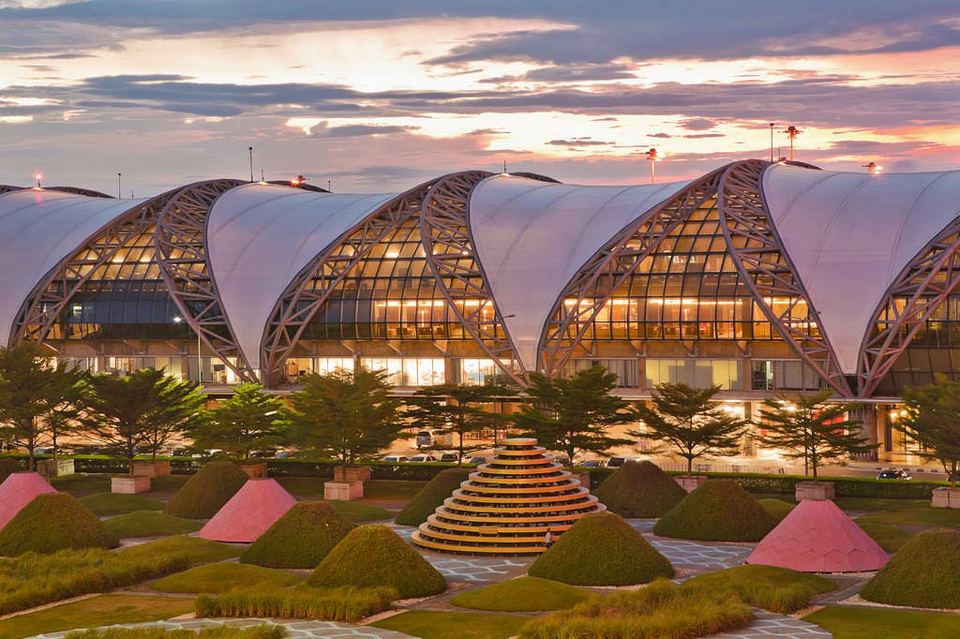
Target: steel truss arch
{"points": [[181, 245], [451, 254], [6, 188], [926, 282], [299, 302], [76, 190], [618, 260], [43, 306], [762, 261]]}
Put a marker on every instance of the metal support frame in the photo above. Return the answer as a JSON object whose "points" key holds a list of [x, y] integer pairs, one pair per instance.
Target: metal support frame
{"points": [[926, 282], [43, 306], [76, 190], [451, 253], [300, 301], [181, 244], [766, 268], [615, 262]]}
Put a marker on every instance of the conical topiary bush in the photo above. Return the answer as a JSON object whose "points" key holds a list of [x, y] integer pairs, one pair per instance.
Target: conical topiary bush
{"points": [[601, 550], [207, 491], [301, 538], [720, 510], [52, 522], [431, 496], [925, 573], [640, 489], [375, 556]]}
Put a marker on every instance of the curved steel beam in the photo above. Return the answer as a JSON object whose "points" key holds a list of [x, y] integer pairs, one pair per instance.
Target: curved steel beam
{"points": [[766, 268], [181, 244], [616, 262], [300, 301], [76, 190], [926, 282], [451, 254], [304, 186], [43, 306], [6, 188]]}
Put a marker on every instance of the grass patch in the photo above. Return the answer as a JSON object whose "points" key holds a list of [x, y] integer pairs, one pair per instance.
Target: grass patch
{"points": [[82, 484], [196, 550], [205, 493], [375, 556], [870, 623], [32, 579], [213, 632], [662, 609], [768, 587], [303, 487], [327, 604], [221, 577], [524, 594], [425, 502], [877, 504], [925, 573], [149, 523], [778, 508], [601, 550], [115, 503], [52, 522], [103, 610], [890, 538], [917, 516], [361, 513], [301, 538], [392, 489], [433, 624], [168, 483], [720, 510], [640, 490]]}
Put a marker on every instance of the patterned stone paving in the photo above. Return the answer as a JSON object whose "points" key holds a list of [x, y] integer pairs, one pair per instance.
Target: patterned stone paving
{"points": [[700, 555], [477, 569], [295, 629], [642, 525], [771, 626]]}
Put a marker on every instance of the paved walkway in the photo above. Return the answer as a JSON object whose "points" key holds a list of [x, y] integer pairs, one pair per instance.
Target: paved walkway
{"points": [[295, 629], [772, 626], [700, 555]]}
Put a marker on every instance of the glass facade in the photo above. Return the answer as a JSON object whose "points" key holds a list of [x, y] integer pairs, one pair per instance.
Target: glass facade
{"points": [[772, 375], [407, 371], [699, 373]]}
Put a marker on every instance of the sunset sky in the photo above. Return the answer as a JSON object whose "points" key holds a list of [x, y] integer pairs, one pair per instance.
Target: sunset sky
{"points": [[377, 96]]}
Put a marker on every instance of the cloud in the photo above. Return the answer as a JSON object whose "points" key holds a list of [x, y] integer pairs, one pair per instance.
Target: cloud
{"points": [[698, 124], [575, 142]]}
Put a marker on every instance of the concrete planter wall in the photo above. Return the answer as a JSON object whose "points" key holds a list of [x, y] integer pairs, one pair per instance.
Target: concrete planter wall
{"points": [[343, 490], [692, 482], [127, 485], [151, 468], [255, 471], [55, 467], [815, 490], [945, 498], [351, 473]]}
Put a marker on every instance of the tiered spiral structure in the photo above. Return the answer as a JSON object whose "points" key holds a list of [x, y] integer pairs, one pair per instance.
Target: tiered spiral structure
{"points": [[508, 505]]}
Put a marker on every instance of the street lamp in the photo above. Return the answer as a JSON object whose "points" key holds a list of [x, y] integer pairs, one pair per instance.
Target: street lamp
{"points": [[872, 167], [772, 124], [38, 177], [652, 156], [792, 133]]}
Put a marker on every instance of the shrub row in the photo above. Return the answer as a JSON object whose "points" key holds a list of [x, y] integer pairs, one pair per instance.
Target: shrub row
{"points": [[327, 604], [211, 632]]}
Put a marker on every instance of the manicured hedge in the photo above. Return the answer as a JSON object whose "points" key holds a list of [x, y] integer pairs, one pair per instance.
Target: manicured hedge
{"points": [[720, 510], [925, 573], [601, 550], [52, 522], [328, 604], [301, 538], [425, 502], [159, 632], [206, 492], [9, 465], [640, 490]]}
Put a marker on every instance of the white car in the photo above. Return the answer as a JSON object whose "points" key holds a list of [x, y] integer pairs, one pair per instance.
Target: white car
{"points": [[422, 459], [396, 459]]}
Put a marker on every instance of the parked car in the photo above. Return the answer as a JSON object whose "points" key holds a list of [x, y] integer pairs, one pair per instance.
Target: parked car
{"points": [[476, 461], [43, 450], [590, 463], [616, 462], [449, 458], [284, 454], [422, 459], [424, 439], [894, 473], [396, 459]]}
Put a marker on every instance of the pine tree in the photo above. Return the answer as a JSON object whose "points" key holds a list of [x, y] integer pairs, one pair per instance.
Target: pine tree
{"points": [[248, 421], [457, 409], [687, 420], [932, 419], [804, 426]]}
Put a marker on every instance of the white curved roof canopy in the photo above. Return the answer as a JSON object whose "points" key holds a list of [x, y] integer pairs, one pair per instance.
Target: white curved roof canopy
{"points": [[38, 229], [259, 236], [532, 237], [850, 234]]}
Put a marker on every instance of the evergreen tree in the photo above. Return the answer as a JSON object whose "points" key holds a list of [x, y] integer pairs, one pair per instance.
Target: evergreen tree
{"points": [[687, 420], [573, 415], [458, 409], [804, 426], [249, 420], [142, 410], [932, 419], [345, 414]]}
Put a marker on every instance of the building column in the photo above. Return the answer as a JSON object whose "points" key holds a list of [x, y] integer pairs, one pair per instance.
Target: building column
{"points": [[867, 415]]}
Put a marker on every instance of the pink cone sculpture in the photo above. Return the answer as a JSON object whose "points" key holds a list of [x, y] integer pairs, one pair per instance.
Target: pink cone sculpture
{"points": [[18, 490], [250, 512], [819, 537]]}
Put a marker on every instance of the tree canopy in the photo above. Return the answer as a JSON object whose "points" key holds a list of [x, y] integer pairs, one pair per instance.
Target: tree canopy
{"points": [[248, 421], [457, 409], [932, 419]]}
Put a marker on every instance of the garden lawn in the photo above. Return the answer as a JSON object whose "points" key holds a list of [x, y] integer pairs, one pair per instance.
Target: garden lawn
{"points": [[871, 623], [149, 523], [890, 538], [303, 487], [922, 515], [879, 504], [97, 611], [221, 577], [198, 551], [115, 504], [524, 594], [168, 483], [82, 484], [433, 624], [776, 507], [359, 513], [392, 489]]}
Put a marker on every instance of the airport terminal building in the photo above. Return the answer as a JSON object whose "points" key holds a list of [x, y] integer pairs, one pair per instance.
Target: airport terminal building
{"points": [[756, 277]]}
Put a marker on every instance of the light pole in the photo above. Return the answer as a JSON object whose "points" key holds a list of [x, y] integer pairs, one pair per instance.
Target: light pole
{"points": [[119, 193], [772, 124], [872, 167], [38, 178], [792, 133], [250, 151], [652, 156]]}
